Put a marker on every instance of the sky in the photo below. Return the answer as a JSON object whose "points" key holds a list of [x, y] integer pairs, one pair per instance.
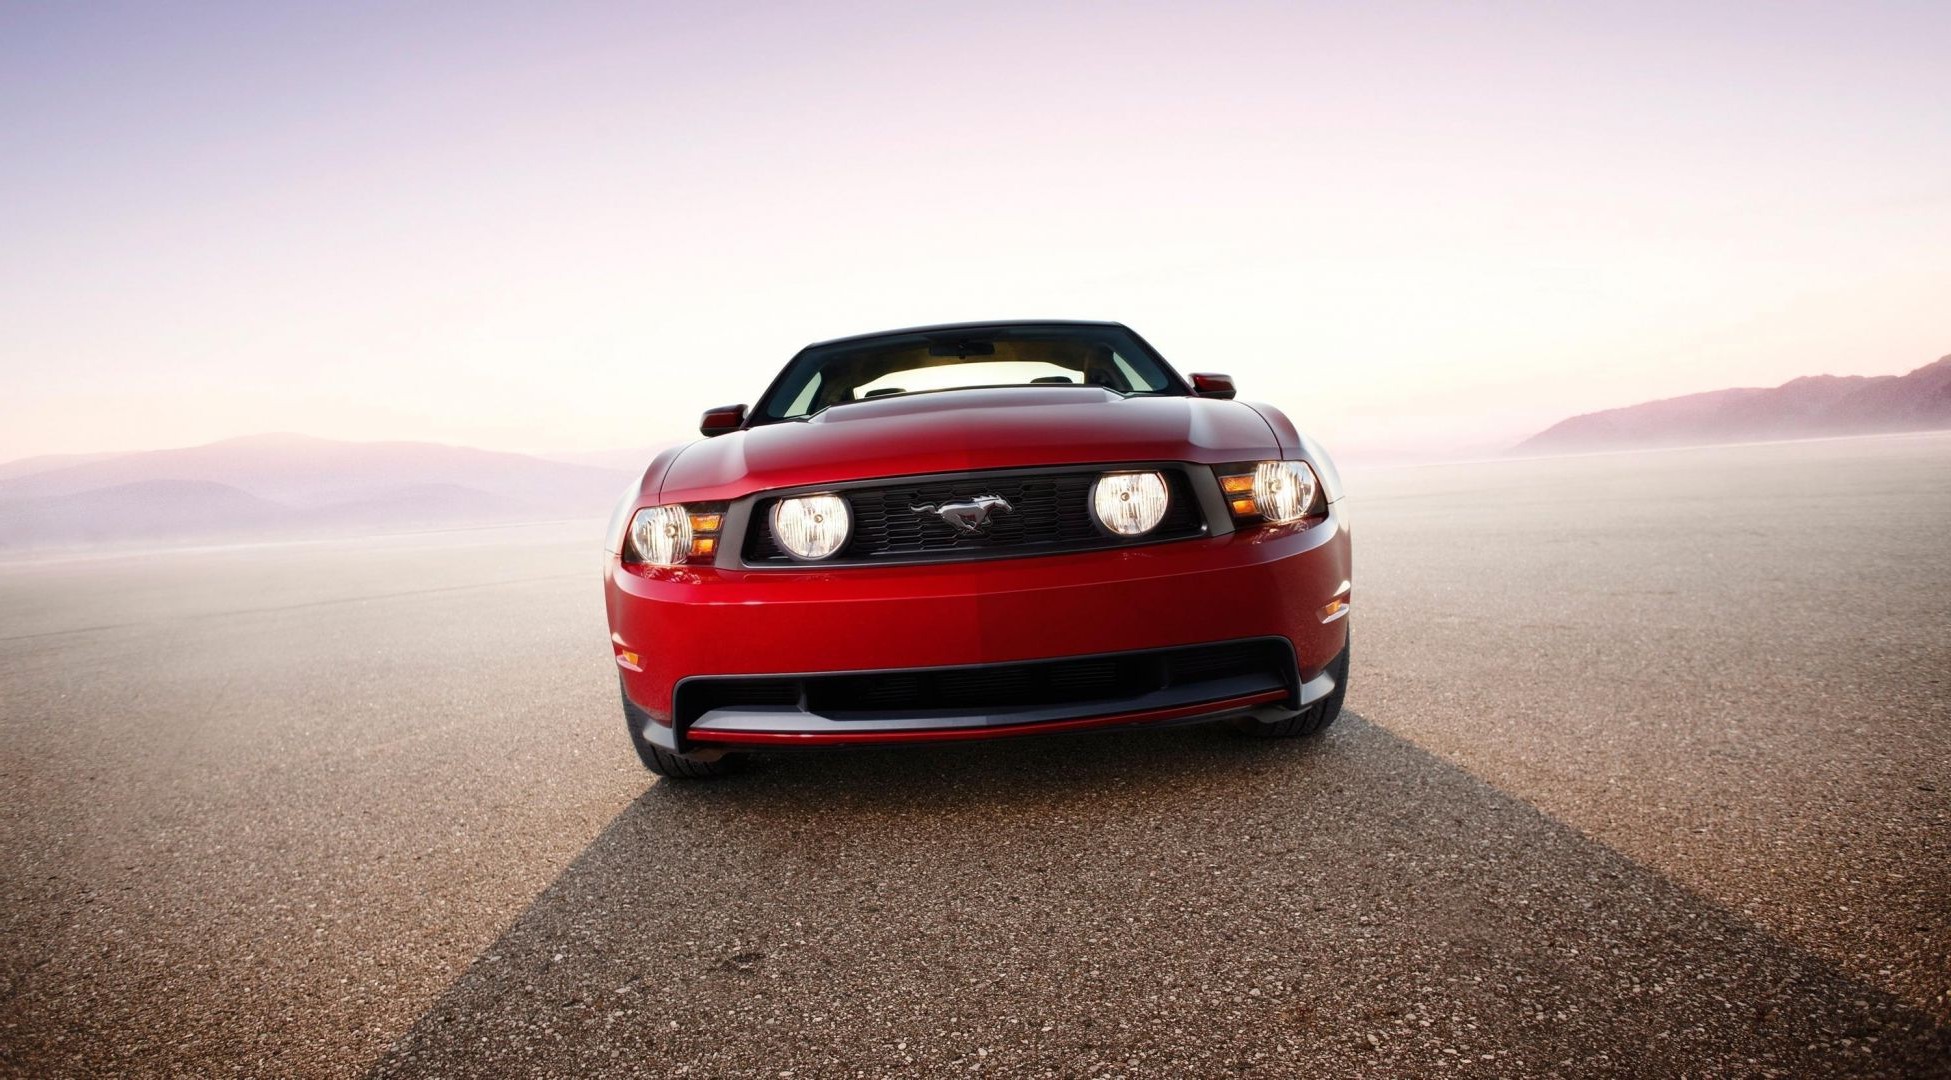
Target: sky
{"points": [[1420, 229]]}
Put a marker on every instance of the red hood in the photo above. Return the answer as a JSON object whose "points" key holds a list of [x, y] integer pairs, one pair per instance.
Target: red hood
{"points": [[959, 430]]}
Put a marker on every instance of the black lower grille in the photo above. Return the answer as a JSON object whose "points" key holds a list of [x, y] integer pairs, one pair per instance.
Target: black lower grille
{"points": [[993, 687], [1048, 512], [708, 694]]}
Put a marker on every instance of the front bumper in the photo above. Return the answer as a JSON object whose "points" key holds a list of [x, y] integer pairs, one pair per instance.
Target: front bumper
{"points": [[687, 625]]}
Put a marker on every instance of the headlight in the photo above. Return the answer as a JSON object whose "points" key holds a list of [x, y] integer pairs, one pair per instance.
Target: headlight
{"points": [[673, 534], [811, 526], [1130, 504], [661, 535], [1274, 492], [1283, 491]]}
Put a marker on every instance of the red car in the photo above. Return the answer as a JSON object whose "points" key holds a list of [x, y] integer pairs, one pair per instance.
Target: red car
{"points": [[975, 531]]}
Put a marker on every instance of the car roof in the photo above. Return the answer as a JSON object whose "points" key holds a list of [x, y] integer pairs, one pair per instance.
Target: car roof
{"points": [[965, 327]]}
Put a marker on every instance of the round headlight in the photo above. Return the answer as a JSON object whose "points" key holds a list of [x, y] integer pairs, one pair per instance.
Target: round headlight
{"points": [[661, 535], [1283, 491], [810, 526], [1130, 504]]}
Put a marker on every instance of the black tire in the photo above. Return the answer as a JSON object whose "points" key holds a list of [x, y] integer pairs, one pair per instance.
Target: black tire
{"points": [[663, 762], [680, 767], [1309, 721]]}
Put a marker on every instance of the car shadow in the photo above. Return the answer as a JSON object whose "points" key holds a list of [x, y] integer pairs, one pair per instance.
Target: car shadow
{"points": [[1172, 902]]}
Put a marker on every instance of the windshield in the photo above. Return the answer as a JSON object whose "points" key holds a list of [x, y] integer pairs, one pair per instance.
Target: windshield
{"points": [[932, 361]]}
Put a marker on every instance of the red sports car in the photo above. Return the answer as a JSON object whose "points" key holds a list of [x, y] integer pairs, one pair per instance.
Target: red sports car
{"points": [[975, 531]]}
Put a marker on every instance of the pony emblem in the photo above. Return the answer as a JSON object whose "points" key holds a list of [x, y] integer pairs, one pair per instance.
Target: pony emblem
{"points": [[966, 517]]}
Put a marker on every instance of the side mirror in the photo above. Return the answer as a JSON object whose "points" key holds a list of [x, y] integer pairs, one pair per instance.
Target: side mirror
{"points": [[722, 420], [1214, 386]]}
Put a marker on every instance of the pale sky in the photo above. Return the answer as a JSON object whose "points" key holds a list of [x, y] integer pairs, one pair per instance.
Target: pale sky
{"points": [[1417, 228]]}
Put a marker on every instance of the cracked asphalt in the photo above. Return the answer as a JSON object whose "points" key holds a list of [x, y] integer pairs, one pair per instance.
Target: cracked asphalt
{"points": [[1644, 772]]}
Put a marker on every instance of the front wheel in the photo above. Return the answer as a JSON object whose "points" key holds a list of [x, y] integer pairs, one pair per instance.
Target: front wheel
{"points": [[662, 761], [1311, 720], [680, 766]]}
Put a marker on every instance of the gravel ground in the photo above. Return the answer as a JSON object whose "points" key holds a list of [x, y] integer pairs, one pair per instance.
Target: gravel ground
{"points": [[1172, 904], [1644, 772], [1731, 665], [261, 805]]}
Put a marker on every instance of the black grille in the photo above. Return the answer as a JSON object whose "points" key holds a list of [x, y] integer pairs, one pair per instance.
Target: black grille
{"points": [[704, 695], [1049, 512], [994, 687]]}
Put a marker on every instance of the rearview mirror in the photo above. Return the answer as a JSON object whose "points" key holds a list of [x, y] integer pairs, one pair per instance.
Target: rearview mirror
{"points": [[722, 420], [1213, 386]]}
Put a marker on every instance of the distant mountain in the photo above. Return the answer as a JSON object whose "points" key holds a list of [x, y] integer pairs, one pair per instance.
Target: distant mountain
{"points": [[1803, 408], [420, 505], [47, 463], [302, 470], [279, 485], [148, 510], [631, 460]]}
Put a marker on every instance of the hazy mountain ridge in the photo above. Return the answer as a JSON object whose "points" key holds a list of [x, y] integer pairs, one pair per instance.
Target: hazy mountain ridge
{"points": [[1811, 406], [629, 459], [287, 486], [300, 469], [41, 463]]}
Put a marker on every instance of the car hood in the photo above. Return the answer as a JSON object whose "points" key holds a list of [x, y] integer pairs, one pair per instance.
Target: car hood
{"points": [[962, 430]]}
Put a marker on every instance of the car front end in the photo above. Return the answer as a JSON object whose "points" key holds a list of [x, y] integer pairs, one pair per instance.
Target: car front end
{"points": [[991, 562]]}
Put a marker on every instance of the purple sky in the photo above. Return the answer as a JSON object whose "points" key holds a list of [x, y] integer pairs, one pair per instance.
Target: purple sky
{"points": [[1418, 228]]}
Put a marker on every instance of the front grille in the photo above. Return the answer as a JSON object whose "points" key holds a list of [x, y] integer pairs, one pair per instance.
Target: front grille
{"points": [[993, 687], [708, 694], [1049, 512]]}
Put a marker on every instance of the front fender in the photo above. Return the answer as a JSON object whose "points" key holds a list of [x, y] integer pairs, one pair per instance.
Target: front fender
{"points": [[1295, 444]]}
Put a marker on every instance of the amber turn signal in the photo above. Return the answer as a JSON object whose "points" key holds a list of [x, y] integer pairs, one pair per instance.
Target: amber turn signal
{"points": [[707, 522]]}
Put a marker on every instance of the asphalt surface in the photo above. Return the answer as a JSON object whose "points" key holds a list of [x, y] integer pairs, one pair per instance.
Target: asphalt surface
{"points": [[1644, 772]]}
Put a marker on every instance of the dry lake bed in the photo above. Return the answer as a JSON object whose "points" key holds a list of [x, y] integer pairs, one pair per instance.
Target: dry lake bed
{"points": [[1646, 770]]}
